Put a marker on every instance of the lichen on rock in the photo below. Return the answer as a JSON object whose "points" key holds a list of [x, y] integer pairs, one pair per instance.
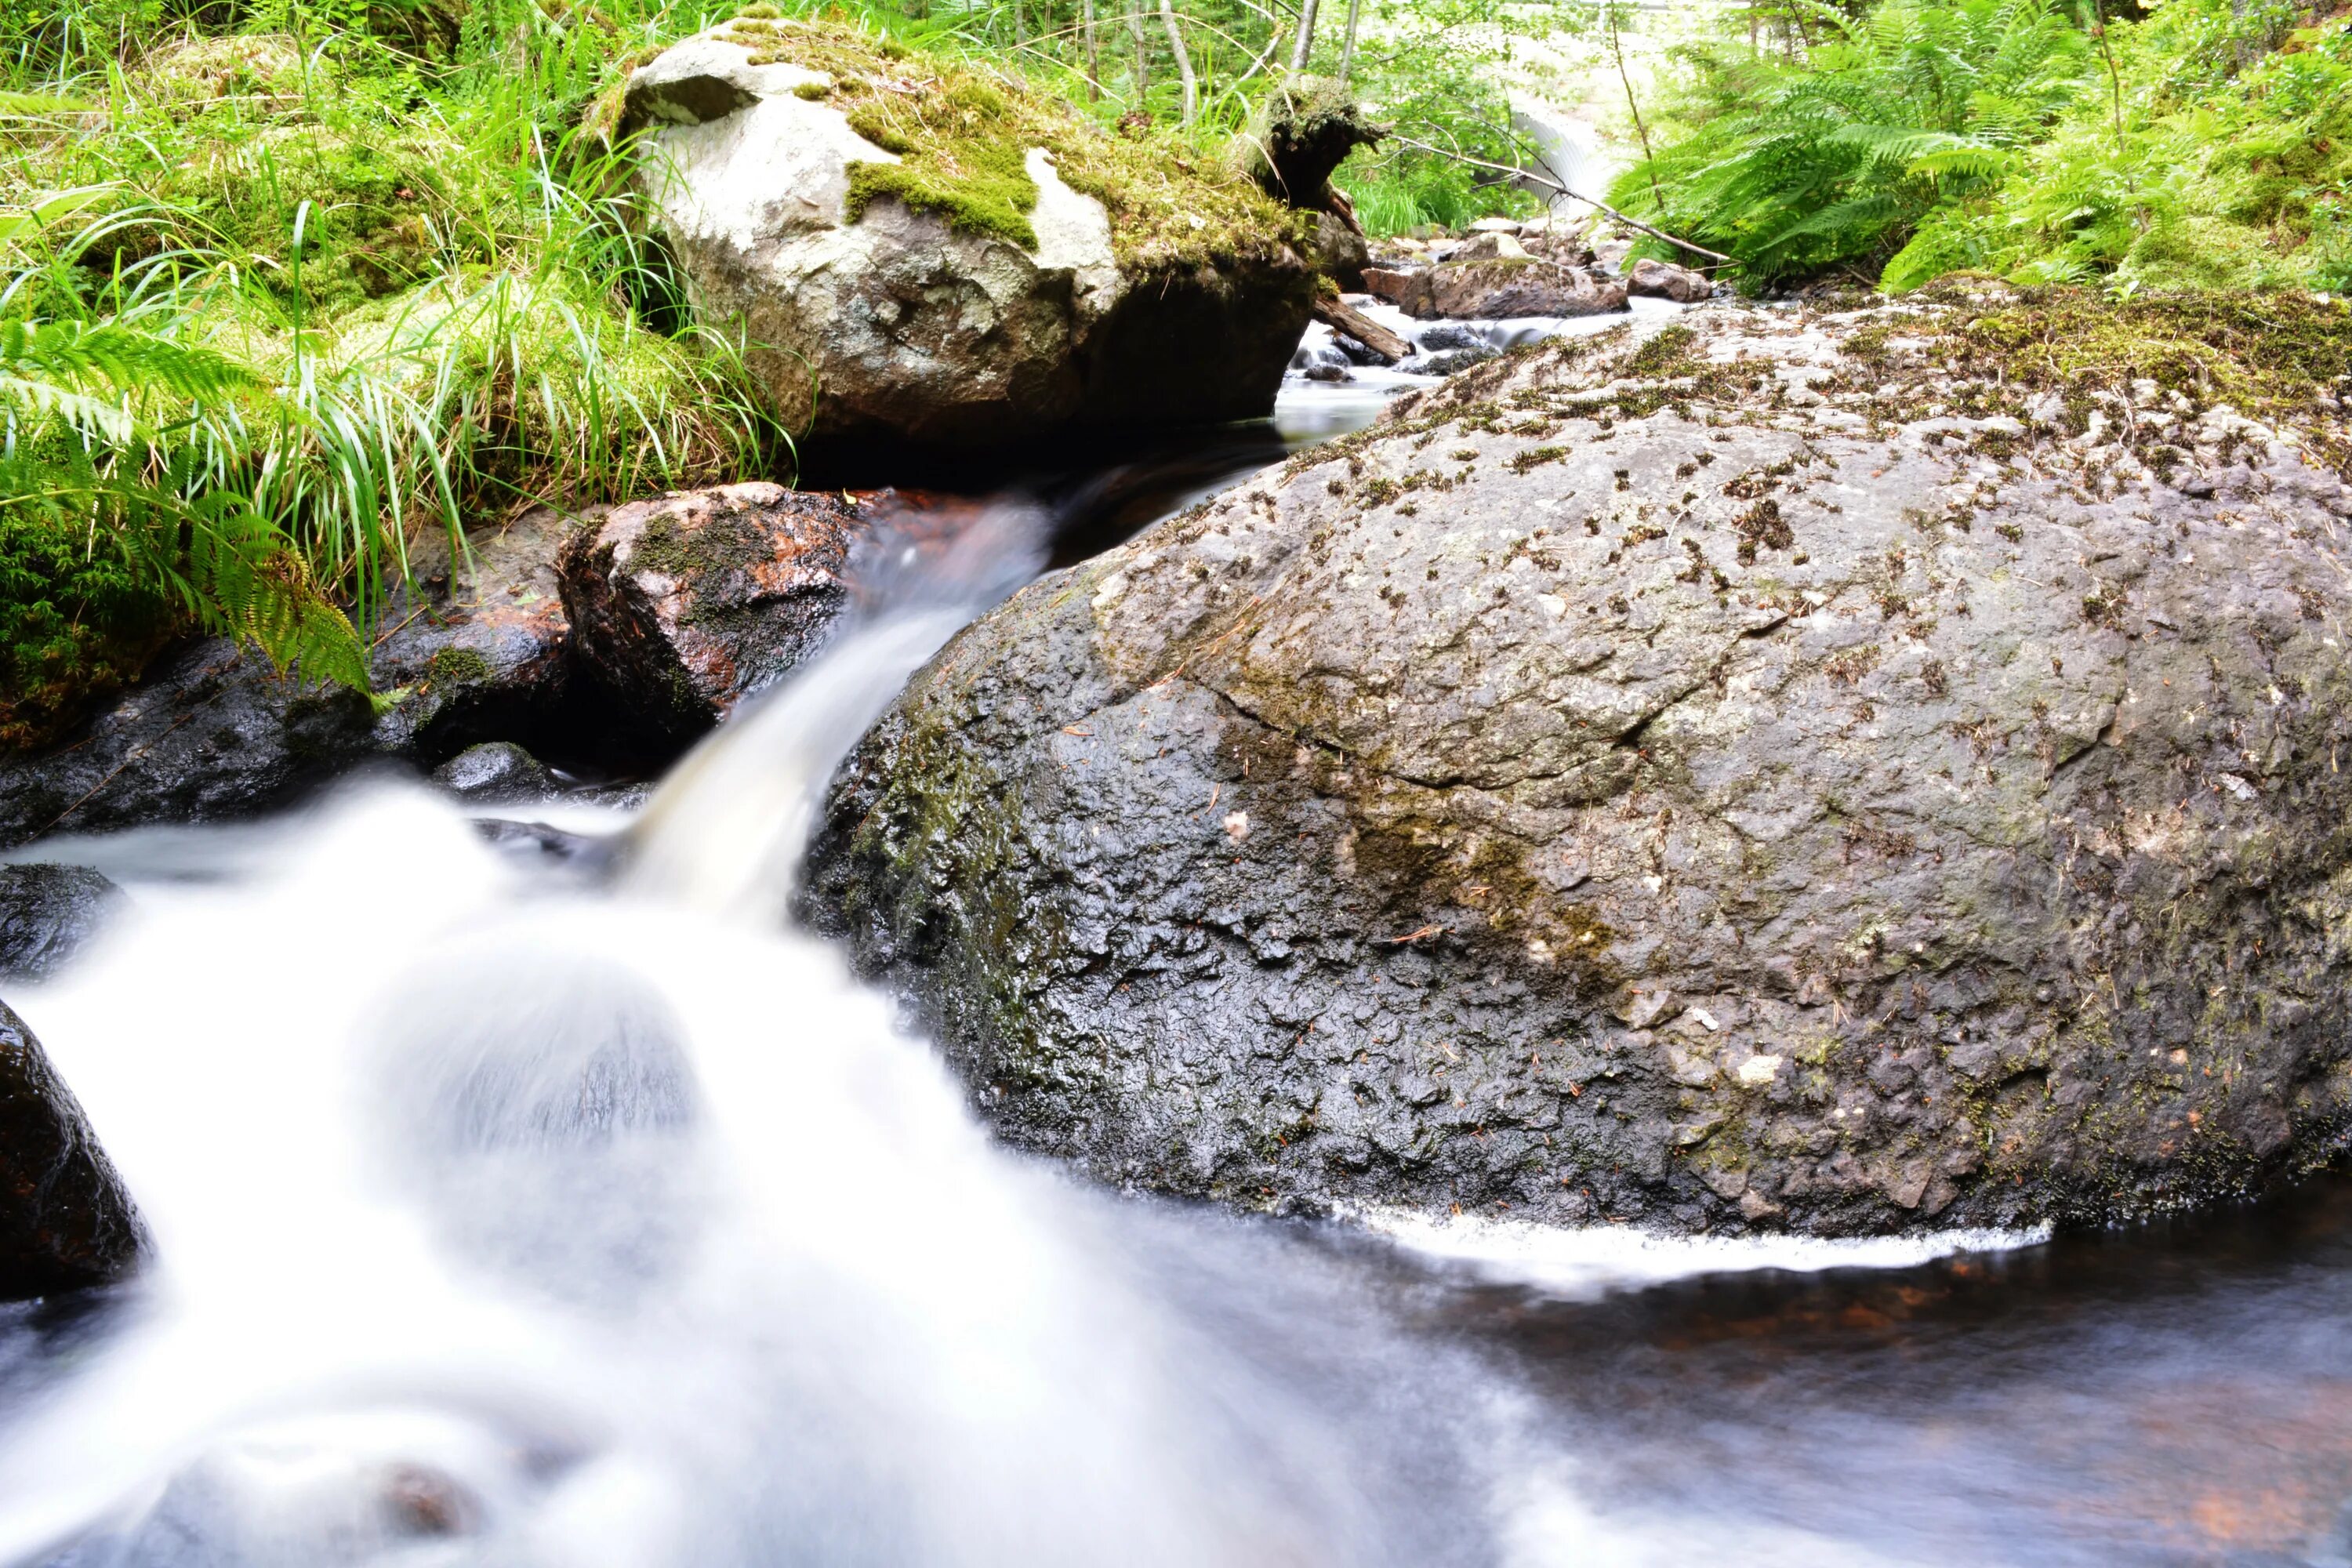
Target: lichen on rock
{"points": [[1832, 772]]}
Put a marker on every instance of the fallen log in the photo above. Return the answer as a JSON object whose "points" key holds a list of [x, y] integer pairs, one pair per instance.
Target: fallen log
{"points": [[1341, 316]]}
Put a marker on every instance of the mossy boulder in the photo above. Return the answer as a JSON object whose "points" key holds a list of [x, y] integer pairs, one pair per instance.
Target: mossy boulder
{"points": [[1835, 773], [916, 249]]}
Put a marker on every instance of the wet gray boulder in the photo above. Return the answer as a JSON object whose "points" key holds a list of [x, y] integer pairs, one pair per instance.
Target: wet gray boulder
{"points": [[66, 1222], [1838, 773], [918, 251], [50, 913]]}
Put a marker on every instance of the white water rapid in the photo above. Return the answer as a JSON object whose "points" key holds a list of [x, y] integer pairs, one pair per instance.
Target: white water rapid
{"points": [[499, 1221]]}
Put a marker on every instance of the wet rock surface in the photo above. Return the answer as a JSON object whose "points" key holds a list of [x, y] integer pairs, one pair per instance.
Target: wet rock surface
{"points": [[1663, 280], [680, 604], [65, 1220], [1772, 771], [1504, 285], [476, 649], [50, 913]]}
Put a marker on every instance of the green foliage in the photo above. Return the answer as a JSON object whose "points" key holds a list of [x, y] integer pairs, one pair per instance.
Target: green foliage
{"points": [[110, 533], [276, 301], [1797, 168], [2204, 146]]}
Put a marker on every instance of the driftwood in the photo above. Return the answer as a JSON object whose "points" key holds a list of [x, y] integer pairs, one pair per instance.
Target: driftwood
{"points": [[1343, 318]]}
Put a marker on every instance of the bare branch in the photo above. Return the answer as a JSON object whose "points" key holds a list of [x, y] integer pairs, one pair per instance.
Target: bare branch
{"points": [[1631, 223]]}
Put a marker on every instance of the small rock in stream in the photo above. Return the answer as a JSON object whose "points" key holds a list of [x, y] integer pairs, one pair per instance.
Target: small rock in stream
{"points": [[494, 770], [66, 1222], [47, 914]]}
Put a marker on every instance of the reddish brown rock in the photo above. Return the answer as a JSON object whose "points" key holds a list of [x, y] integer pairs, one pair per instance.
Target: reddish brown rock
{"points": [[682, 604], [1499, 287]]}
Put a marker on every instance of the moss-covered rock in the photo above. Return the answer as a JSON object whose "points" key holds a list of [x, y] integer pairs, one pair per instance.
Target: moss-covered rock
{"points": [[1838, 772], [921, 249]]}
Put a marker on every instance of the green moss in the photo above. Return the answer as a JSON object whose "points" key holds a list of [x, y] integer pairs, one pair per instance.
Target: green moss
{"points": [[962, 135], [74, 628], [813, 91], [993, 201], [454, 666]]}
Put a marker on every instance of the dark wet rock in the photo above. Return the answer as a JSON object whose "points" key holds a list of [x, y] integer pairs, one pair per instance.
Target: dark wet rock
{"points": [[893, 326], [478, 648], [494, 770], [1681, 776], [1332, 373], [683, 604], [208, 733], [66, 1222], [47, 914], [1445, 335], [475, 649], [1500, 286], [1663, 280]]}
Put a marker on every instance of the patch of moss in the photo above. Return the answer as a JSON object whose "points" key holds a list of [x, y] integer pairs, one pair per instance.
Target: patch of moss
{"points": [[993, 197], [454, 666], [962, 135], [75, 626]]}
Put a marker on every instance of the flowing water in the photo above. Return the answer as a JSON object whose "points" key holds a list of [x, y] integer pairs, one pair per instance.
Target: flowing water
{"points": [[509, 1210]]}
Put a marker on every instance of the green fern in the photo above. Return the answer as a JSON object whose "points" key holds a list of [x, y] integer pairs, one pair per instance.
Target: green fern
{"points": [[84, 408], [1797, 169]]}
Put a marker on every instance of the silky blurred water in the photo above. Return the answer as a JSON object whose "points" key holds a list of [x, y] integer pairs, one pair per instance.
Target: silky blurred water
{"points": [[515, 1211]]}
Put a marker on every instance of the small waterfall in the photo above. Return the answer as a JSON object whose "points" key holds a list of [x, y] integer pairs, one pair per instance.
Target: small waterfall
{"points": [[500, 1221]]}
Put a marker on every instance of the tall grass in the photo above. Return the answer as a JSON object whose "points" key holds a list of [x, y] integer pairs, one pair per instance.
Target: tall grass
{"points": [[430, 288]]}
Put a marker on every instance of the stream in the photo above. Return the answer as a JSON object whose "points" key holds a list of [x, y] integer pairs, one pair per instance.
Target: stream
{"points": [[574, 1209]]}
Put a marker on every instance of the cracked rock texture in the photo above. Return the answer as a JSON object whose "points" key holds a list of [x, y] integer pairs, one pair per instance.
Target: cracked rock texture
{"points": [[1708, 783]]}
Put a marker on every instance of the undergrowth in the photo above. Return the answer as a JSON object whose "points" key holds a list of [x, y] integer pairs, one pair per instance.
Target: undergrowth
{"points": [[2204, 145], [423, 297]]}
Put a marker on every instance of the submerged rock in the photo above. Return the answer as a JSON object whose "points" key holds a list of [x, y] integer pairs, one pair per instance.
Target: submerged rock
{"points": [[50, 913], [1688, 778], [683, 604], [494, 770], [925, 251], [65, 1220]]}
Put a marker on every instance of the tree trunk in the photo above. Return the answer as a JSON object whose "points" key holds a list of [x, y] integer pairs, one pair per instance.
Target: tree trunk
{"points": [[1094, 56], [1184, 59], [1142, 55], [1020, 27], [1306, 45], [1348, 48]]}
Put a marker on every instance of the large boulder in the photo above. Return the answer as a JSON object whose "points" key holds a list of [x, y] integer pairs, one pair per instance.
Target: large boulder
{"points": [[66, 1222], [1832, 772], [915, 249]]}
